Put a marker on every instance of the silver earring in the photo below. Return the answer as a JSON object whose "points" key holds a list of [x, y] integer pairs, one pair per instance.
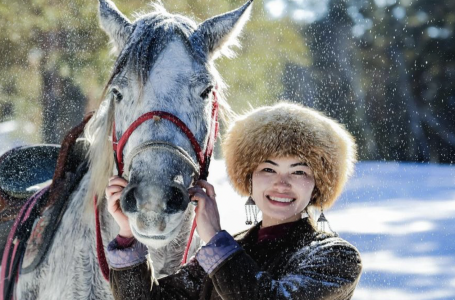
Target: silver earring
{"points": [[251, 210], [323, 224]]}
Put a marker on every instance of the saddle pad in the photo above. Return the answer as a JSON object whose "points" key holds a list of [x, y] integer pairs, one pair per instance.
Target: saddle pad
{"points": [[36, 239], [24, 170], [15, 243]]}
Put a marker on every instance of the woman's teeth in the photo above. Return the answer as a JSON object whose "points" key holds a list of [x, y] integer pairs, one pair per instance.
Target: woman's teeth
{"points": [[286, 200]]}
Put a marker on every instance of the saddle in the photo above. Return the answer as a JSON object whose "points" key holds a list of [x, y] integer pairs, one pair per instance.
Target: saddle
{"points": [[35, 185], [23, 171]]}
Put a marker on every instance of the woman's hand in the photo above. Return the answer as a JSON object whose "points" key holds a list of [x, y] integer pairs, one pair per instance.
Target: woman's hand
{"points": [[207, 216], [113, 193]]}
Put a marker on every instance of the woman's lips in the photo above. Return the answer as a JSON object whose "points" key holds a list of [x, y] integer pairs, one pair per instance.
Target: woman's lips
{"points": [[280, 200]]}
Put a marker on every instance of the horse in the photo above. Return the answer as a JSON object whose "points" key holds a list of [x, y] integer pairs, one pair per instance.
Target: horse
{"points": [[165, 63]]}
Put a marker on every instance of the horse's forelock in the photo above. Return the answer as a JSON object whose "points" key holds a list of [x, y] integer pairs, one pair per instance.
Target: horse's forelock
{"points": [[151, 35]]}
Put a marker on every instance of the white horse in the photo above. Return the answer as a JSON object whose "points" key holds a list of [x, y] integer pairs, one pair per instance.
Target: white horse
{"points": [[165, 63]]}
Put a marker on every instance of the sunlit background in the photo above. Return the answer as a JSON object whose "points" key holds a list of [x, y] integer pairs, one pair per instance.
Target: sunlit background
{"points": [[385, 68]]}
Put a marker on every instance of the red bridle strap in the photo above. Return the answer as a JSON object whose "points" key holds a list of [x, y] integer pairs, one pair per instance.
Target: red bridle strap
{"points": [[214, 127], [118, 146]]}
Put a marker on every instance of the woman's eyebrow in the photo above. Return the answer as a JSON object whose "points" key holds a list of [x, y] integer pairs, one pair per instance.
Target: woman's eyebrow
{"points": [[293, 165], [271, 162], [299, 164]]}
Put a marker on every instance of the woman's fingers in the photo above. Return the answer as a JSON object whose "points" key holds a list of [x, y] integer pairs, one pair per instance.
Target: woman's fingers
{"points": [[194, 190], [113, 197], [200, 197], [113, 194], [116, 180], [207, 216], [204, 203], [210, 190], [116, 184], [112, 189]]}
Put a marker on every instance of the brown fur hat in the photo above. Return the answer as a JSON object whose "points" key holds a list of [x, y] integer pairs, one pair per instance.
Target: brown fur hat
{"points": [[287, 129]]}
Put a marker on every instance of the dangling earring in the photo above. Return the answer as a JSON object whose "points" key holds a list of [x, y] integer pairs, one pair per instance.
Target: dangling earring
{"points": [[251, 210], [323, 224]]}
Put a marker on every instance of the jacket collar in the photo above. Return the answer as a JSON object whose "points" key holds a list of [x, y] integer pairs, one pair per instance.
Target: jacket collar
{"points": [[302, 232]]}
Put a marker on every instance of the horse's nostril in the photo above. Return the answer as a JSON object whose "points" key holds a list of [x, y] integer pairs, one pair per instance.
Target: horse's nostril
{"points": [[176, 201], [129, 201]]}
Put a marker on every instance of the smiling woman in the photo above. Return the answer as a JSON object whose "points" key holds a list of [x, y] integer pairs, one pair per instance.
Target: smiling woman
{"points": [[286, 158], [282, 188]]}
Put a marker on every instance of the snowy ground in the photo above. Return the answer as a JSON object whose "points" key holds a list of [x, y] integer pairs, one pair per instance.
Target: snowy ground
{"points": [[401, 218]]}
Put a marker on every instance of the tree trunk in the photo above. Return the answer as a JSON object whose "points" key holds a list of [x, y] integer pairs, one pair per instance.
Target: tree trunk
{"points": [[63, 106]]}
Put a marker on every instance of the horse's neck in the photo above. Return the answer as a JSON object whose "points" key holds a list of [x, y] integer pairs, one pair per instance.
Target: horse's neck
{"points": [[167, 259]]}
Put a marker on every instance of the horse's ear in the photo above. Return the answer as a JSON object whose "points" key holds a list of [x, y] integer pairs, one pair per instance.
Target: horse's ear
{"points": [[116, 25], [217, 34]]}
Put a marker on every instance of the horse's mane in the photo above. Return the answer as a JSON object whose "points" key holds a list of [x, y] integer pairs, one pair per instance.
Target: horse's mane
{"points": [[140, 54]]}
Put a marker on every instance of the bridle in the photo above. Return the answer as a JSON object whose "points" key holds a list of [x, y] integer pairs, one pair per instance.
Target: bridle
{"points": [[201, 168], [202, 159]]}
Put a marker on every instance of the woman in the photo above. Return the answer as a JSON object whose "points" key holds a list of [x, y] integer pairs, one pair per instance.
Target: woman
{"points": [[286, 158]]}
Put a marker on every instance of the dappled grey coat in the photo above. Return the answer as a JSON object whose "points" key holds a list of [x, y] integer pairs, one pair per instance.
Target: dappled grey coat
{"points": [[304, 264]]}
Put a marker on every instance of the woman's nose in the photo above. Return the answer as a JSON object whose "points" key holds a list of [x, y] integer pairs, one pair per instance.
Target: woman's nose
{"points": [[282, 180]]}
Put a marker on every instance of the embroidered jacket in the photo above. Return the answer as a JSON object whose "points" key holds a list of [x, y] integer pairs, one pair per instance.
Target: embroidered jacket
{"points": [[303, 264]]}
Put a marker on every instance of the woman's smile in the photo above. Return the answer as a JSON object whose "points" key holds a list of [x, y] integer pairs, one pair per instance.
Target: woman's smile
{"points": [[280, 200]]}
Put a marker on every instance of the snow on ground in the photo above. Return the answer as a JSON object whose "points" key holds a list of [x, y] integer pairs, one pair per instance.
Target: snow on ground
{"points": [[399, 215]]}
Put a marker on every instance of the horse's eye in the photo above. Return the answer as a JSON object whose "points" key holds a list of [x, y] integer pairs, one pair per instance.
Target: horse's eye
{"points": [[117, 95], [206, 92]]}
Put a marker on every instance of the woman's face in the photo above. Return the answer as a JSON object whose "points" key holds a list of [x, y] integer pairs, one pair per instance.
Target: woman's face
{"points": [[282, 188]]}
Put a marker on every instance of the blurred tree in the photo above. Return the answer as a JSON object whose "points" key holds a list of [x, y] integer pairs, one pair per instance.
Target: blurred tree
{"points": [[48, 50], [385, 68]]}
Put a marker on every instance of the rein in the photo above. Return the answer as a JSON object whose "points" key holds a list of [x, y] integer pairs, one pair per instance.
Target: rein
{"points": [[203, 160]]}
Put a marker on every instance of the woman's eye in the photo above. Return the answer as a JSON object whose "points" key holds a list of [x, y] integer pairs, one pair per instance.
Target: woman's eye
{"points": [[299, 173], [117, 95], [206, 92], [268, 170]]}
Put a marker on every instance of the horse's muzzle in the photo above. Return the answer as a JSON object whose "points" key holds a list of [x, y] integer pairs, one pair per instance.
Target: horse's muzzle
{"points": [[151, 198]]}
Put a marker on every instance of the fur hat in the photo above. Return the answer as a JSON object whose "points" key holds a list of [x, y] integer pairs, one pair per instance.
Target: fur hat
{"points": [[287, 129]]}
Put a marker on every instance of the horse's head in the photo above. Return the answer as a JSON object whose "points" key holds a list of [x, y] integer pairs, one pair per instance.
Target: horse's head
{"points": [[165, 63]]}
